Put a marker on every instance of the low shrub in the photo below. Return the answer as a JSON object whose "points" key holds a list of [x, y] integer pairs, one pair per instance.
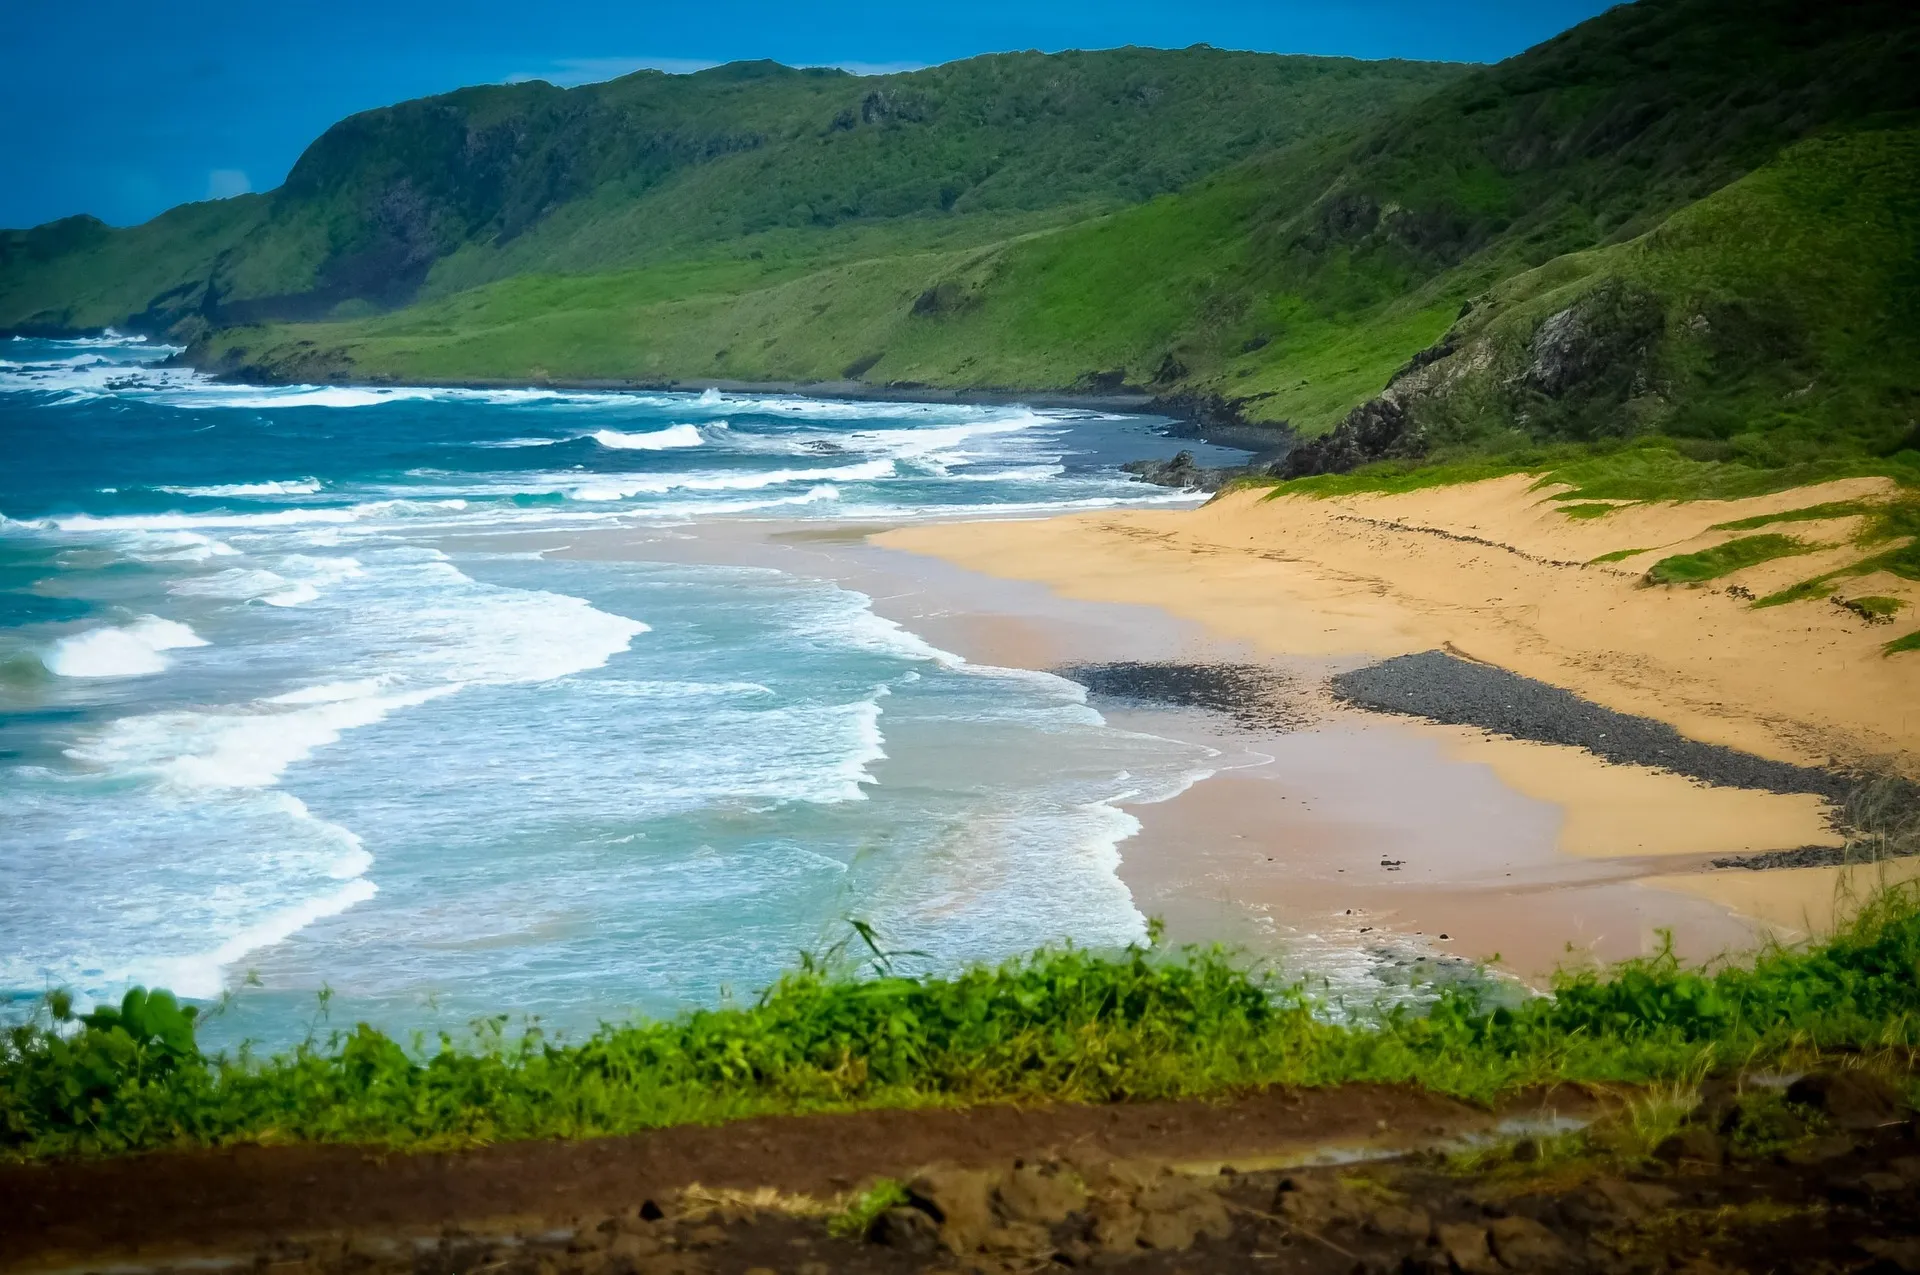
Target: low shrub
{"points": [[1061, 1025]]}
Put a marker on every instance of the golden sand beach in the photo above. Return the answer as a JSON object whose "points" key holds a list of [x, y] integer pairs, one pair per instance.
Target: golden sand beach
{"points": [[1495, 571]]}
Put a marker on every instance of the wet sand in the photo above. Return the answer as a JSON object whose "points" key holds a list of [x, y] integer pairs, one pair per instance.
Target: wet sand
{"points": [[1365, 848]]}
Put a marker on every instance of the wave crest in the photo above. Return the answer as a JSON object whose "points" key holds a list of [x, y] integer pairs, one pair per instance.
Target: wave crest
{"points": [[652, 440], [130, 651]]}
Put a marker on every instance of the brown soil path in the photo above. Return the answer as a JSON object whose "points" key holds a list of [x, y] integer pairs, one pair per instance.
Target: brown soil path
{"points": [[147, 1208]]}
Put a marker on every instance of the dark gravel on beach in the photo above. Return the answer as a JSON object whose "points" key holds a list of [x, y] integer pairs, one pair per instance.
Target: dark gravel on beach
{"points": [[1444, 688], [1816, 857], [1254, 696]]}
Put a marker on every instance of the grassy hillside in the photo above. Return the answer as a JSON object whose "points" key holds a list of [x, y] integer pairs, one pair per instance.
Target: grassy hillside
{"points": [[1683, 218], [1774, 323], [1294, 283], [447, 192]]}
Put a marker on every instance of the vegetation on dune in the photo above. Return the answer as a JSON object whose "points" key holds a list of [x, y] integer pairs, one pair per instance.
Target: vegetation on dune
{"points": [[1890, 541], [1875, 608], [1580, 478], [1724, 559], [1061, 1025], [1809, 513]]}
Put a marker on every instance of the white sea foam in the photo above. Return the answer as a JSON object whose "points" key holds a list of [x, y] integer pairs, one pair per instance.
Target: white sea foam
{"points": [[820, 754], [625, 486], [1026, 474], [330, 692], [133, 650], [237, 582], [183, 522], [214, 751], [397, 635], [172, 546], [867, 630], [248, 521], [294, 596], [289, 487], [868, 747], [929, 441], [300, 584], [308, 396], [422, 631], [202, 975], [684, 690], [652, 441], [110, 339]]}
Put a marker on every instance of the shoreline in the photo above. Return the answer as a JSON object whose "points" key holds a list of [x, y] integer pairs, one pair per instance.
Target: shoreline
{"points": [[1339, 841], [1208, 419], [1298, 582]]}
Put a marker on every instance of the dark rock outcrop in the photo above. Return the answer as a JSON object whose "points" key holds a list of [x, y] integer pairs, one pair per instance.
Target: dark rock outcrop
{"points": [[1184, 473], [1379, 429]]}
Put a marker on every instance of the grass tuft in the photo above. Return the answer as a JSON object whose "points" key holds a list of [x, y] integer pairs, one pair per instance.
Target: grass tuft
{"points": [[1875, 608], [1812, 513], [854, 1221], [1724, 559]]}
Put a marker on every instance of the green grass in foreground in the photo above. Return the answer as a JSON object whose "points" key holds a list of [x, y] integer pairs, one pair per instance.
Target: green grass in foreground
{"points": [[1060, 1025], [1724, 559]]}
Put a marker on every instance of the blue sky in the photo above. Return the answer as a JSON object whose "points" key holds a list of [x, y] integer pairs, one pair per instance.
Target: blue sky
{"points": [[122, 110]]}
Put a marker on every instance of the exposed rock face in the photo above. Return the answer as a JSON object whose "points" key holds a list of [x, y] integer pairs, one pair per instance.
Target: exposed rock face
{"points": [[1378, 429], [1577, 376], [1111, 1208], [1170, 370], [943, 298], [1605, 337]]}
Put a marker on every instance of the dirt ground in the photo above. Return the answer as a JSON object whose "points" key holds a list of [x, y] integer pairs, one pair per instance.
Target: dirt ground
{"points": [[1353, 1180]]}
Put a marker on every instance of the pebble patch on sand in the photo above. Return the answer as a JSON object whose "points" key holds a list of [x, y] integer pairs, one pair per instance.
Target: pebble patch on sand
{"points": [[1455, 692]]}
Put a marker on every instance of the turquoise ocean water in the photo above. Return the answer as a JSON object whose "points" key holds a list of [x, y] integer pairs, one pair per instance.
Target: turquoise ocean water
{"points": [[284, 705]]}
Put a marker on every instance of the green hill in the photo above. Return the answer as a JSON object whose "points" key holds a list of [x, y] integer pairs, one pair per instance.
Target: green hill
{"points": [[1774, 323], [1699, 210], [750, 161]]}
